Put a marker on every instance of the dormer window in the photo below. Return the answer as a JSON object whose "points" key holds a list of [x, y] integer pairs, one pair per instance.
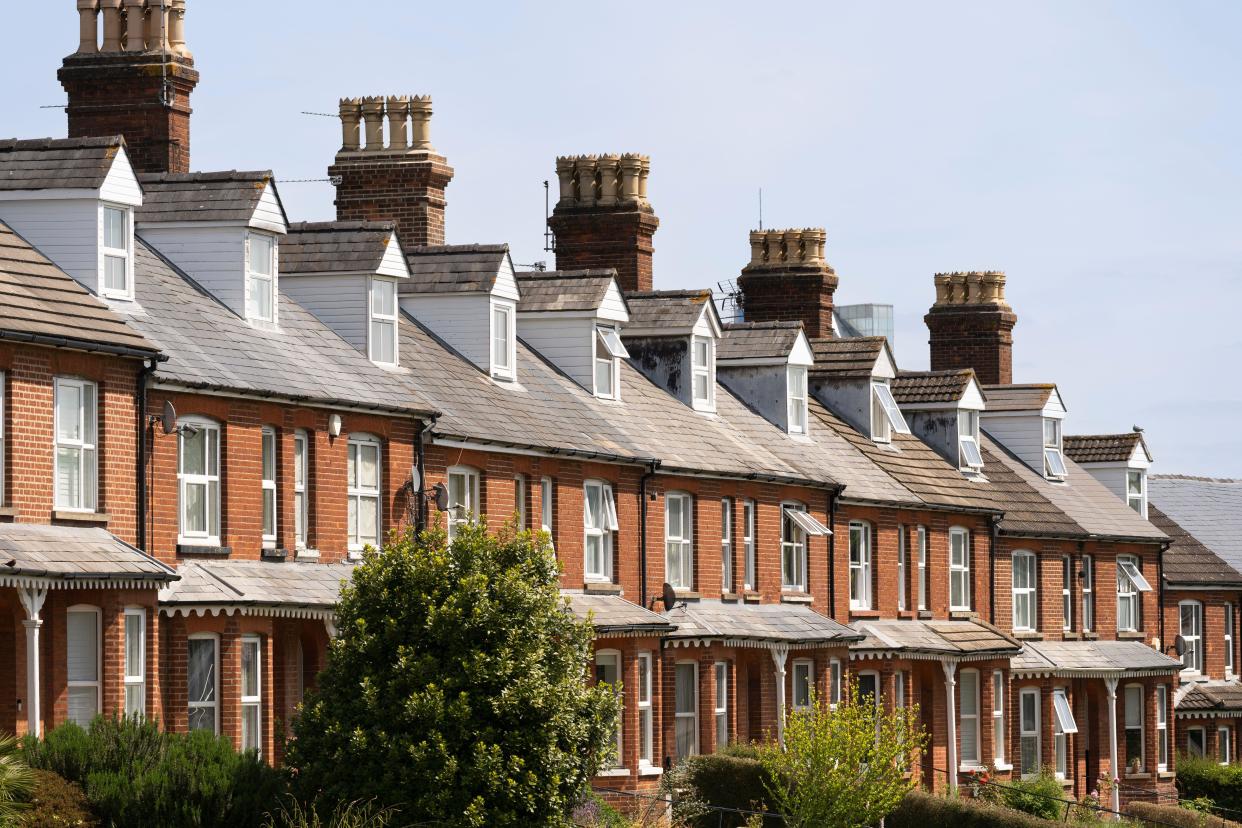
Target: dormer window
{"points": [[886, 417], [383, 334], [1136, 491], [703, 367], [608, 353], [1054, 463], [502, 341], [797, 399], [116, 252], [261, 277], [969, 457]]}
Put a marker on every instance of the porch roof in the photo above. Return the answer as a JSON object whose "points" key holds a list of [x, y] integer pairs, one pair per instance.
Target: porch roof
{"points": [[794, 625], [63, 557], [1209, 698], [614, 615], [949, 640], [1092, 659], [286, 589]]}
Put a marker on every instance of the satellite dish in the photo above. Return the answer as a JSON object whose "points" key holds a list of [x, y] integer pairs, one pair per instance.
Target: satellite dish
{"points": [[415, 481], [1179, 646], [670, 597], [168, 420], [441, 497]]}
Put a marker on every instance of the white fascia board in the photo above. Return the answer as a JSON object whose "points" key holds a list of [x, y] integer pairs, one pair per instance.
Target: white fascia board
{"points": [[800, 353], [339, 273]]}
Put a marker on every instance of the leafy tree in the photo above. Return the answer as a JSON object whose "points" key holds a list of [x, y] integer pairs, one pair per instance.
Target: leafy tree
{"points": [[456, 690], [843, 767]]}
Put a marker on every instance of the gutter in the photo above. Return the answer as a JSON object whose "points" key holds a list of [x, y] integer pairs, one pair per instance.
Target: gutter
{"points": [[294, 399], [76, 344], [642, 533]]}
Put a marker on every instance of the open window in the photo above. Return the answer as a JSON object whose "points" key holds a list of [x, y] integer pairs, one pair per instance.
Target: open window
{"points": [[969, 458], [886, 417], [599, 522], [1054, 461], [609, 351], [1062, 724]]}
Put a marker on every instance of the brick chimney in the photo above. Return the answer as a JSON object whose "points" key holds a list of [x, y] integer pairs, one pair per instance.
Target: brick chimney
{"points": [[403, 181], [136, 82], [603, 218], [788, 280], [971, 325]]}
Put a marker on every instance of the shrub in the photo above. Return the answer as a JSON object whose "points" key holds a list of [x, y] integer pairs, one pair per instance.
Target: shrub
{"points": [[1149, 815], [293, 814], [728, 781], [16, 780], [1040, 796], [57, 803], [921, 810], [1198, 777]]}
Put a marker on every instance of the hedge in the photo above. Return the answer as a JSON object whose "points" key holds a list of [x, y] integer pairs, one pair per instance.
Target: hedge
{"points": [[921, 810], [1150, 815], [1204, 778], [728, 780]]}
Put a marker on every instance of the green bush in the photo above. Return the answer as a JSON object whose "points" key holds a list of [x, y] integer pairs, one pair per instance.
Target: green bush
{"points": [[1198, 777], [1040, 796], [728, 781], [293, 814], [922, 810], [1149, 815], [57, 803]]}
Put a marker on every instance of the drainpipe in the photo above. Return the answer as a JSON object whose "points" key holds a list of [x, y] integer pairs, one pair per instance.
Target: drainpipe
{"points": [[420, 457], [832, 552], [642, 533], [1160, 593], [148, 368], [993, 535]]}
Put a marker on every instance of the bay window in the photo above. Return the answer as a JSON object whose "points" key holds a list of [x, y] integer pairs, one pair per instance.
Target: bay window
{"points": [[608, 671], [546, 495], [726, 544], [383, 330], [198, 475], [76, 429], [679, 540], [803, 683], [1162, 727], [519, 500], [1223, 751], [968, 716], [135, 661], [82, 647], [860, 565], [834, 682], [999, 738], [686, 708], [959, 569], [268, 465], [252, 693], [1062, 724], [363, 473], [748, 543], [1025, 582], [599, 522], [1196, 741], [203, 667], [463, 497]]}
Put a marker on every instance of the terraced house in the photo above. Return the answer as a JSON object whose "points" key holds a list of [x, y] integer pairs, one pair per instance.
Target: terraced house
{"points": [[210, 411]]}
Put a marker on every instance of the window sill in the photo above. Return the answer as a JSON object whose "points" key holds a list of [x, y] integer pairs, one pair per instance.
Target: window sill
{"points": [[1090, 636], [1140, 775], [905, 614], [1164, 774], [963, 615], [1129, 635], [81, 517], [204, 549], [687, 594], [650, 770], [614, 772], [306, 555], [730, 596], [269, 554], [601, 588], [865, 613], [1028, 635], [796, 598], [8, 511], [925, 615], [971, 767], [751, 597], [1070, 635], [1002, 766]]}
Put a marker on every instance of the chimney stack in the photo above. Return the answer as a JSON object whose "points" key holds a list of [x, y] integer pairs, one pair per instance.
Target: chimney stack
{"points": [[788, 280], [603, 217], [134, 79], [403, 181], [971, 325]]}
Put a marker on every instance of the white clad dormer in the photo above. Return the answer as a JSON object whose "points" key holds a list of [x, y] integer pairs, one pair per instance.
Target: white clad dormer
{"points": [[943, 408], [853, 378], [224, 230], [1027, 420], [672, 336], [574, 319], [766, 365], [1120, 461], [74, 199], [467, 295], [347, 274]]}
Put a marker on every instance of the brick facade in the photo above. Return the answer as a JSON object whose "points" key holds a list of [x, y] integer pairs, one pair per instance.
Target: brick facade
{"points": [[970, 336], [598, 237], [794, 294], [406, 189]]}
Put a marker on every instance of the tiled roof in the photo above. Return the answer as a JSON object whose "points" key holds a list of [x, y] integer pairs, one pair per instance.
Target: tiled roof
{"points": [[758, 340], [289, 585], [564, 290], [914, 387], [845, 358], [1027, 510], [1018, 397], [56, 163], [784, 623], [209, 346], [1207, 696], [37, 550], [1091, 657], [454, 268], [334, 247], [203, 196], [673, 310], [956, 638], [852, 464], [614, 614], [40, 302], [1210, 509], [1189, 562], [1103, 448]]}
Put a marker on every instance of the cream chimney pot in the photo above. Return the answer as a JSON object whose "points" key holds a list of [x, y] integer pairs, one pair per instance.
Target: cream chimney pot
{"points": [[157, 25], [135, 25], [793, 246], [756, 247], [609, 180], [398, 122], [642, 179], [974, 284], [586, 166], [373, 116], [111, 11], [176, 29], [420, 114], [565, 179], [88, 28], [351, 116], [942, 288], [631, 172]]}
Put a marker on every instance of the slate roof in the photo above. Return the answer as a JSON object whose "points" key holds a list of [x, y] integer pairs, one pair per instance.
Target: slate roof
{"points": [[1027, 510], [1208, 697], [334, 247], [229, 195], [757, 340], [1187, 561], [614, 614], [1210, 509], [910, 388], [56, 163], [852, 463], [1018, 397], [71, 552], [209, 346], [948, 638], [454, 268], [564, 290], [40, 302], [846, 358], [1103, 448], [285, 585], [674, 311], [1067, 658], [792, 624]]}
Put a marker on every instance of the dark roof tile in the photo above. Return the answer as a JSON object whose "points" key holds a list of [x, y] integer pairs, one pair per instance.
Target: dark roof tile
{"points": [[229, 195], [913, 387], [674, 311], [334, 247], [57, 163], [1103, 448], [1187, 561], [564, 290], [758, 340], [454, 268], [846, 358]]}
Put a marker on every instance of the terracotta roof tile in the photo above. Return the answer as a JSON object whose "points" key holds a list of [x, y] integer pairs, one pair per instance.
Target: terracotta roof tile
{"points": [[854, 357], [913, 387]]}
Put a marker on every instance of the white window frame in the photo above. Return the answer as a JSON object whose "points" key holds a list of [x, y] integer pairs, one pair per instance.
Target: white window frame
{"points": [[720, 713], [680, 545], [646, 718], [1201, 750], [1141, 728], [1025, 591], [873, 676], [97, 683], [85, 446], [999, 740], [382, 325], [214, 704], [3, 418], [793, 550], [252, 701], [726, 544], [886, 416], [125, 254], [860, 565], [1128, 589], [1137, 500], [899, 689], [803, 677], [268, 442], [1228, 638], [959, 570], [1054, 458], [301, 500], [135, 679], [1193, 658], [970, 753], [460, 514], [834, 683], [921, 537], [1029, 730], [1088, 593], [602, 657], [256, 280], [1223, 746], [691, 715], [209, 480], [547, 493], [1162, 728], [796, 392], [901, 566], [969, 457], [359, 494], [705, 372], [748, 544], [1067, 593], [608, 351], [519, 499], [1063, 724], [599, 526], [502, 341]]}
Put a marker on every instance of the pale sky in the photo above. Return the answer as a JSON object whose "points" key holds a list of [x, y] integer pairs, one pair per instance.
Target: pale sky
{"points": [[1090, 150]]}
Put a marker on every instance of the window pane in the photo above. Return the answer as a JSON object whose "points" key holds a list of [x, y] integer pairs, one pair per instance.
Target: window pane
{"points": [[603, 377], [700, 353], [269, 455], [685, 689], [261, 255], [68, 412], [82, 643], [368, 521], [250, 738], [133, 645], [383, 298], [135, 699], [201, 674], [68, 478], [369, 478], [269, 512], [250, 668], [115, 277], [83, 704], [114, 228], [383, 341], [203, 718], [193, 451], [195, 518]]}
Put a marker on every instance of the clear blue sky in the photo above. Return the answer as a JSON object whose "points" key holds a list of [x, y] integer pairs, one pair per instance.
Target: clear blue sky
{"points": [[1091, 150]]}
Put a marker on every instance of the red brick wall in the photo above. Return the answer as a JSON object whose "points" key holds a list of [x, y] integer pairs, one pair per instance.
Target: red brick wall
{"points": [[804, 296], [600, 237], [1213, 603], [406, 190], [979, 337]]}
